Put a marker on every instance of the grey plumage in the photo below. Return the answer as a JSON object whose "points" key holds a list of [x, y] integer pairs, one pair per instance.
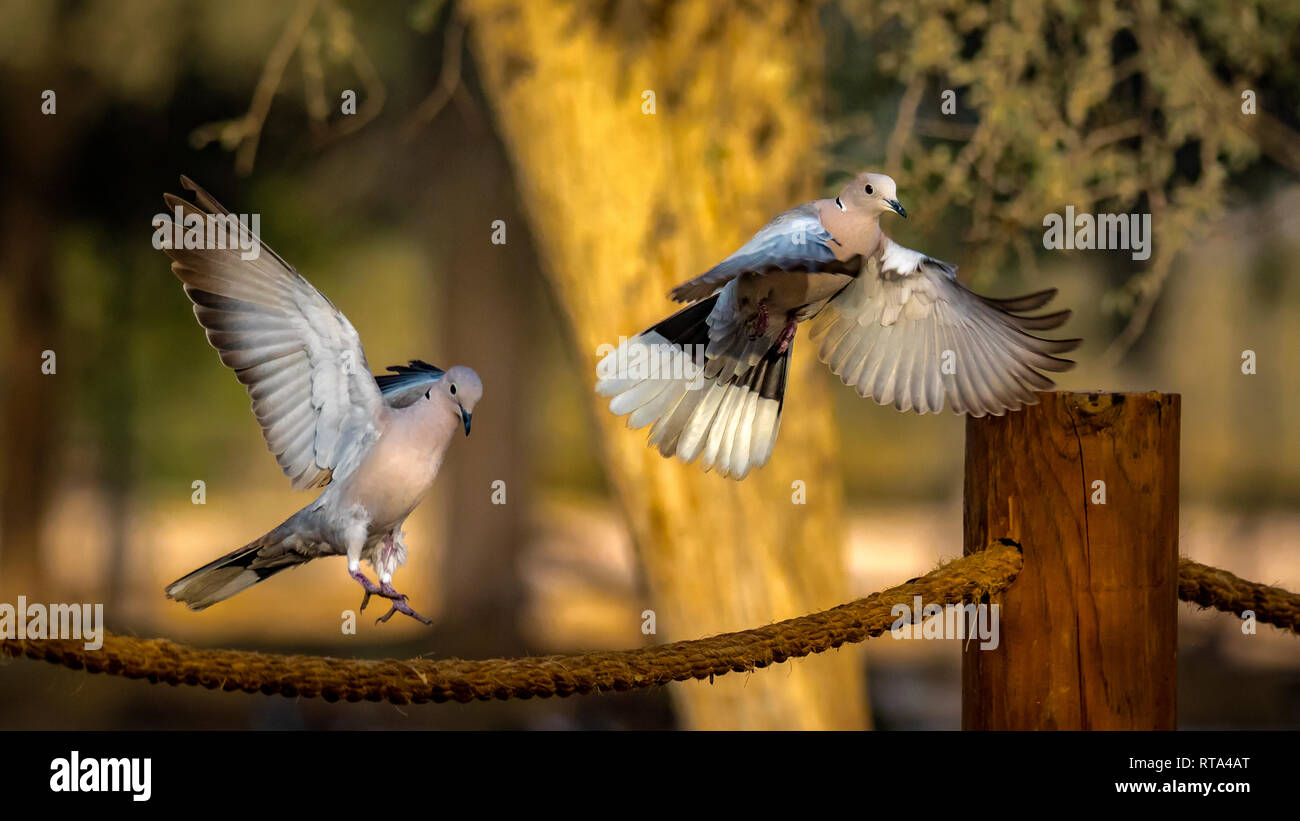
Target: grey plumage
{"points": [[288, 545], [297, 355], [892, 323], [888, 335], [375, 443], [794, 241]]}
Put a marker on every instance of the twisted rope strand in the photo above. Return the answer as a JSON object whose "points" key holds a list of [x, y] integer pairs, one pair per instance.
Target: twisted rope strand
{"points": [[420, 680], [1213, 587]]}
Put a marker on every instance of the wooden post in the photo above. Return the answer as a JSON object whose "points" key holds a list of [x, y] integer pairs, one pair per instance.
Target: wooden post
{"points": [[1088, 485]]}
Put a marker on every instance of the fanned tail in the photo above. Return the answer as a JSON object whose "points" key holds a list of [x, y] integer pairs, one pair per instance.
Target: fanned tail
{"points": [[719, 404], [240, 569]]}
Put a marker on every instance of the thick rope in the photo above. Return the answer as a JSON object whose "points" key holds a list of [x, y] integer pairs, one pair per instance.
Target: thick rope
{"points": [[970, 578], [1211, 587]]}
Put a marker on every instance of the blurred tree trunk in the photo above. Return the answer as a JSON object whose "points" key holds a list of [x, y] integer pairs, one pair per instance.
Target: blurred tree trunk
{"points": [[26, 414], [624, 205], [32, 149], [480, 574], [116, 424]]}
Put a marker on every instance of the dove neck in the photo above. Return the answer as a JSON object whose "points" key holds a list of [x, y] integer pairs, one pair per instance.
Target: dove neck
{"points": [[856, 231], [436, 416]]}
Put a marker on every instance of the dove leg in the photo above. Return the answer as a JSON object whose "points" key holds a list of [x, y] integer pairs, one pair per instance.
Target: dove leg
{"points": [[355, 537], [787, 334], [370, 587], [387, 553], [390, 555]]}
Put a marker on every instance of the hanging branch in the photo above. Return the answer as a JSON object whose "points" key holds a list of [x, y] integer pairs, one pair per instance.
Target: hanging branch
{"points": [[244, 133]]}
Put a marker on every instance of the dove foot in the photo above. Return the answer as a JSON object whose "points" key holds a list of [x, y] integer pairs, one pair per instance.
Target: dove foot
{"points": [[399, 605], [386, 590], [758, 322], [787, 335]]}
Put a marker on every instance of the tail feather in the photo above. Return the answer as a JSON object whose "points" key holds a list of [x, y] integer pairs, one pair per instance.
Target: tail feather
{"points": [[236, 571], [725, 415]]}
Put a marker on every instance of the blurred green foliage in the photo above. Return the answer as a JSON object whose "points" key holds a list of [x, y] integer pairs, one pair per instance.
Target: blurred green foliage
{"points": [[1112, 107]]}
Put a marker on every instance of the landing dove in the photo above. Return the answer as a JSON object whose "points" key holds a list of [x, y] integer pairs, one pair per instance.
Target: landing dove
{"points": [[894, 323], [374, 443]]}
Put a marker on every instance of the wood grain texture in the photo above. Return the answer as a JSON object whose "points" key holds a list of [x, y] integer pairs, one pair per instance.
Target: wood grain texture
{"points": [[1089, 629]]}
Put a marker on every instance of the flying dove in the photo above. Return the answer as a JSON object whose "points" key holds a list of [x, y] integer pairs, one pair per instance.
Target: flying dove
{"points": [[375, 443], [894, 323]]}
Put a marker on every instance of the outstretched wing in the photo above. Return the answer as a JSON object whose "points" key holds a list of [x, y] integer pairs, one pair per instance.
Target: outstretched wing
{"points": [[407, 383], [299, 357], [909, 334], [795, 242]]}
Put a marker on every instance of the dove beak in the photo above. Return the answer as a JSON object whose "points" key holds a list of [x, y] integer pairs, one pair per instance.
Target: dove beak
{"points": [[898, 207], [465, 417]]}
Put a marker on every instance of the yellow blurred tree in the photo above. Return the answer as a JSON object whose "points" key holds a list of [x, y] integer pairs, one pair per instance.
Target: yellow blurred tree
{"points": [[649, 141]]}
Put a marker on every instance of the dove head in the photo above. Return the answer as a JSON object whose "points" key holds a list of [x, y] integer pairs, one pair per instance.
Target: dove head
{"points": [[460, 387], [873, 194]]}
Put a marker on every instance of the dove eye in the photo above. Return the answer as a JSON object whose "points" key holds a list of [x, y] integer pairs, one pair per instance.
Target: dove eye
{"points": [[426, 393], [870, 190], [453, 390]]}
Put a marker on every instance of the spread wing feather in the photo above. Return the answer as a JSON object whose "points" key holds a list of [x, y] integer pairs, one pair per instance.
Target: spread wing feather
{"points": [[907, 333], [297, 354], [795, 241]]}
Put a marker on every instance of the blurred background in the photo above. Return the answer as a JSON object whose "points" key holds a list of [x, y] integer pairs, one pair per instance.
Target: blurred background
{"points": [[625, 146]]}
